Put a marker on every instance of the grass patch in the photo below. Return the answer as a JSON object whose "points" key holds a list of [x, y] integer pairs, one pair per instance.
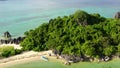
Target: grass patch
{"points": [[52, 64]]}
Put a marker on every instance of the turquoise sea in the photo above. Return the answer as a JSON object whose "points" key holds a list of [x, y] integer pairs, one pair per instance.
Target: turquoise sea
{"points": [[18, 16]]}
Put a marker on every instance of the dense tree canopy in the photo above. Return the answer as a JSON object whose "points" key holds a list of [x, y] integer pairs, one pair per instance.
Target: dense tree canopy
{"points": [[79, 34]]}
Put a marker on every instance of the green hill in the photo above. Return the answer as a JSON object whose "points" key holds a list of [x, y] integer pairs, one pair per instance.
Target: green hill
{"points": [[80, 34]]}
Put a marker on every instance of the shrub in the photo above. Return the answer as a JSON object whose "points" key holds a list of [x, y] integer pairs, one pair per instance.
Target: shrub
{"points": [[7, 51]]}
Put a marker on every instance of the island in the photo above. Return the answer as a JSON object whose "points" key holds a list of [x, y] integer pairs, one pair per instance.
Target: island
{"points": [[78, 37]]}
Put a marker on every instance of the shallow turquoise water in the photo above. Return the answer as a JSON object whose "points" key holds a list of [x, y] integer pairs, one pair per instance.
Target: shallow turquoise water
{"points": [[18, 16]]}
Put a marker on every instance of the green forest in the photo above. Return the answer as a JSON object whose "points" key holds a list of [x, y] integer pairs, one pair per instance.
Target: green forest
{"points": [[79, 34]]}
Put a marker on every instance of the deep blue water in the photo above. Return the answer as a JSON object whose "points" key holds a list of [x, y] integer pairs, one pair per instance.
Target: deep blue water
{"points": [[18, 16]]}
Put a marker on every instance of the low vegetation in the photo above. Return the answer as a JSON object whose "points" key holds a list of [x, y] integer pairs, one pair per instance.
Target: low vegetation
{"points": [[54, 64], [7, 51], [80, 34]]}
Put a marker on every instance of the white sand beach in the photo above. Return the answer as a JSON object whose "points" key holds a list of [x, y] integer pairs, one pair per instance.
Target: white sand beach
{"points": [[27, 56], [16, 46], [24, 57]]}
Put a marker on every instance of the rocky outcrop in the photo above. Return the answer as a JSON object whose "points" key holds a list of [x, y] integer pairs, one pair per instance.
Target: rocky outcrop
{"points": [[84, 23], [12, 41], [7, 34], [73, 58], [117, 15], [105, 59], [81, 58]]}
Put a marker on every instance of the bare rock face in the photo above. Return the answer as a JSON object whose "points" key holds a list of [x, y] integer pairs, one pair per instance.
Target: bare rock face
{"points": [[117, 15]]}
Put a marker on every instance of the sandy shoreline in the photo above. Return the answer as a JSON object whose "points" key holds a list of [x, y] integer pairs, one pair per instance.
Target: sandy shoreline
{"points": [[21, 61], [16, 46], [23, 58]]}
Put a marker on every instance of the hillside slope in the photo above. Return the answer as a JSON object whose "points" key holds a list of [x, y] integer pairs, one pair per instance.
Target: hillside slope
{"points": [[80, 34]]}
